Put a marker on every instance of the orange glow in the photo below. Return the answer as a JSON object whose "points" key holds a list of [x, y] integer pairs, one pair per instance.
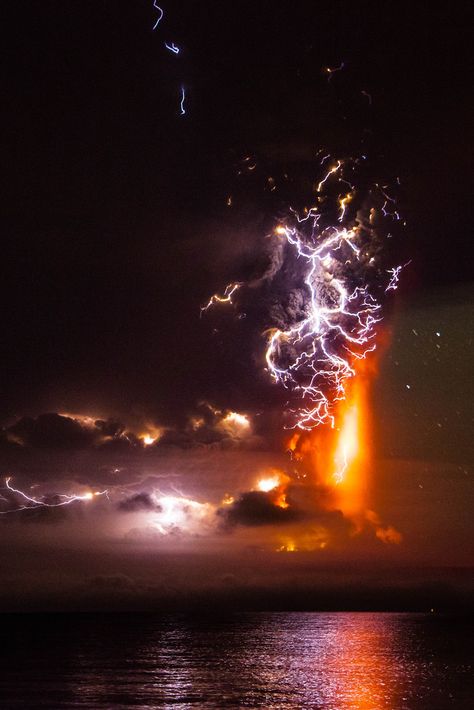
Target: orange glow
{"points": [[348, 445], [314, 539], [235, 424], [288, 546], [151, 435], [385, 533], [339, 458], [281, 501], [268, 484], [276, 484], [351, 457], [236, 418], [364, 652], [389, 535], [196, 423]]}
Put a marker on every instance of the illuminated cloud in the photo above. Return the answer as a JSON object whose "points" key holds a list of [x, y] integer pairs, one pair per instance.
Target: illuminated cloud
{"points": [[151, 435], [268, 484], [177, 514], [235, 424], [208, 427]]}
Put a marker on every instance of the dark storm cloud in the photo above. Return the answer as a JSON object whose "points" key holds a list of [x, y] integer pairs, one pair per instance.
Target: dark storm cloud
{"points": [[255, 508], [110, 428], [306, 505], [50, 431], [57, 431], [50, 513], [204, 426]]}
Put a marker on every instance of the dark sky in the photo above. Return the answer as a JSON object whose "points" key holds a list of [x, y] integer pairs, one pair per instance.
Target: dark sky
{"points": [[116, 226]]}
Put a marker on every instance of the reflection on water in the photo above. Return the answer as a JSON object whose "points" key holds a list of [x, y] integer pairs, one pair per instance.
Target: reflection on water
{"points": [[278, 660]]}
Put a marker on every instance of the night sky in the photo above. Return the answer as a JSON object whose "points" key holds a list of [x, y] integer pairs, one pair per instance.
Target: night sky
{"points": [[117, 228]]}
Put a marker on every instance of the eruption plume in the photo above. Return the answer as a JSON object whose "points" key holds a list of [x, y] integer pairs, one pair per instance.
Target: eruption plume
{"points": [[328, 285], [323, 292]]}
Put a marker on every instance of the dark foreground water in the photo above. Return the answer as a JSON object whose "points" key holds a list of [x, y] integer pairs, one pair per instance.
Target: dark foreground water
{"points": [[253, 660]]}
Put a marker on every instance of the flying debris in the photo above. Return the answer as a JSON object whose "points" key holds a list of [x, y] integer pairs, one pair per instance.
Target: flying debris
{"points": [[331, 70]]}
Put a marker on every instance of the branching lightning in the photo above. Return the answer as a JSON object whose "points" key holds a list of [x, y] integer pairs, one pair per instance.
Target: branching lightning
{"points": [[29, 502], [394, 278], [335, 282], [172, 47], [226, 297], [314, 356]]}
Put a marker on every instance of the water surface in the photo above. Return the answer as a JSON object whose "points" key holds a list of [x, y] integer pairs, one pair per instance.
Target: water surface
{"points": [[331, 661]]}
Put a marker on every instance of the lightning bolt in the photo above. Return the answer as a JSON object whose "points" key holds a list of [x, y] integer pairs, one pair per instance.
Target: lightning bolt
{"points": [[181, 104], [160, 16], [229, 290], [172, 47], [395, 276], [30, 502], [333, 170]]}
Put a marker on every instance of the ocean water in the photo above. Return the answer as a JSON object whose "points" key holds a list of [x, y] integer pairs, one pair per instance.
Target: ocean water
{"points": [[332, 661]]}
